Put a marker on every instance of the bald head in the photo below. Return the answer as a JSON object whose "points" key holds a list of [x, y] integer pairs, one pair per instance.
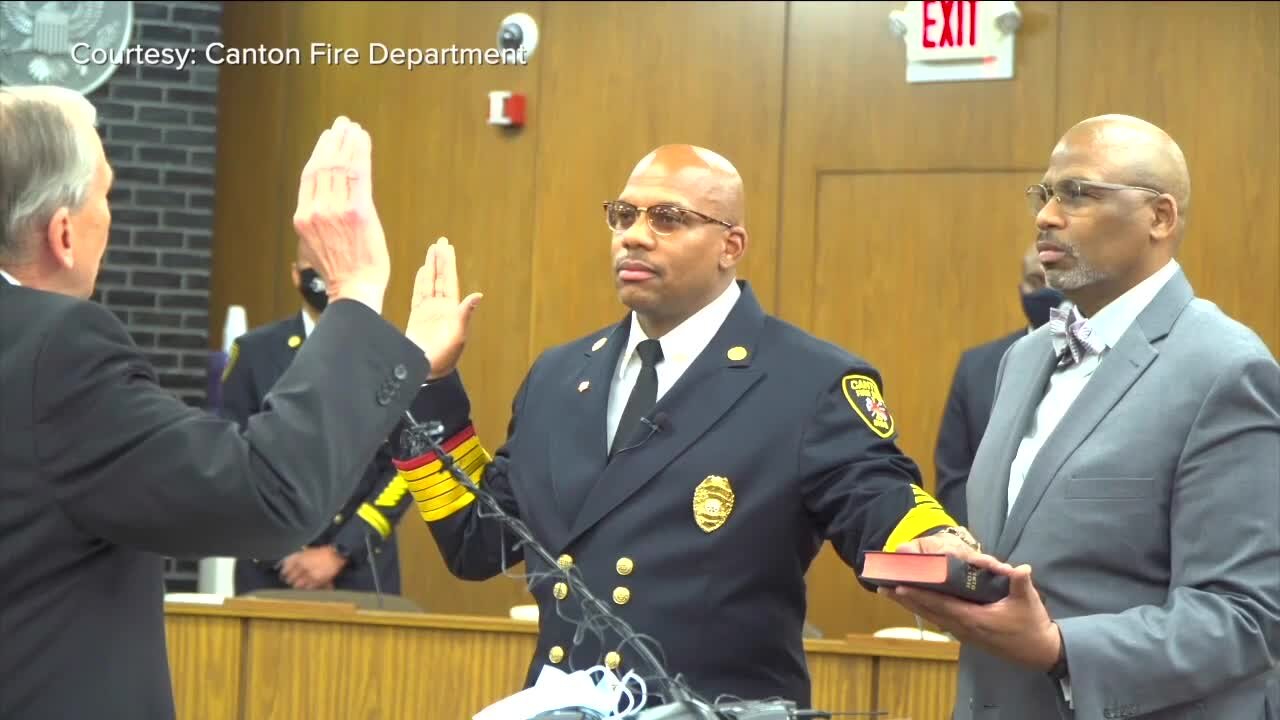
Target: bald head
{"points": [[707, 180], [1133, 151]]}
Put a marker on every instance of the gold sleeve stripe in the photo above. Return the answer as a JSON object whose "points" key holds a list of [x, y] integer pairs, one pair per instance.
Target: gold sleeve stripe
{"points": [[434, 489], [376, 520], [925, 515], [392, 493]]}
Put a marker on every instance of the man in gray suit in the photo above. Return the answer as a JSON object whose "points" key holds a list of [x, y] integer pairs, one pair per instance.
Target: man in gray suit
{"points": [[1133, 460]]}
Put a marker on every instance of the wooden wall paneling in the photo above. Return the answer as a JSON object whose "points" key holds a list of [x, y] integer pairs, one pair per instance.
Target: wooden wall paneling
{"points": [[207, 649], [250, 187], [849, 107], [1209, 74], [619, 79]]}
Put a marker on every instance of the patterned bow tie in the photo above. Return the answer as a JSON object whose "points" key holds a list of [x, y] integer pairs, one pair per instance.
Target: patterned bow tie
{"points": [[1072, 336]]}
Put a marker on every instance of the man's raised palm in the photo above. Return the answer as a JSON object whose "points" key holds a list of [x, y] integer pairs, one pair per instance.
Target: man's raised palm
{"points": [[438, 321]]}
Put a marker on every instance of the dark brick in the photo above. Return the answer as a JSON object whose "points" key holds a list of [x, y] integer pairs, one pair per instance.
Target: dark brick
{"points": [[150, 11], [120, 196], [110, 278], [129, 216], [206, 37], [194, 221], [164, 74], [163, 360], [157, 279], [186, 177], [182, 341], [199, 242], [140, 175], [117, 256], [157, 319], [161, 198], [197, 16], [194, 97], [201, 138], [122, 91], [163, 115], [158, 238], [143, 338], [185, 302], [195, 282], [165, 155], [201, 201], [132, 298], [207, 119], [197, 361], [165, 35], [115, 111], [183, 261], [137, 133]]}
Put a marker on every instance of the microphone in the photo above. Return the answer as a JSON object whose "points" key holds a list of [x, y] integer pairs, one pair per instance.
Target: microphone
{"points": [[659, 423]]}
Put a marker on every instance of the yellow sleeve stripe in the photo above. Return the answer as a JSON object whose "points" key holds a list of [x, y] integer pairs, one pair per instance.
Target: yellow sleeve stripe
{"points": [[376, 520], [925, 515], [392, 493], [434, 489]]}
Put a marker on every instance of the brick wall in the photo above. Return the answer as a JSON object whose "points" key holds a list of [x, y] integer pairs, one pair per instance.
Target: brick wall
{"points": [[159, 125]]}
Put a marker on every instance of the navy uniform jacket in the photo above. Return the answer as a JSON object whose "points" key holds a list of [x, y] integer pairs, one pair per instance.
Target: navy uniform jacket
{"points": [[973, 389], [105, 473], [257, 360], [770, 443]]}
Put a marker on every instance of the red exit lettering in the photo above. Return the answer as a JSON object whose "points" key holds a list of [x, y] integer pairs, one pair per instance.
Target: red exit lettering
{"points": [[958, 20]]}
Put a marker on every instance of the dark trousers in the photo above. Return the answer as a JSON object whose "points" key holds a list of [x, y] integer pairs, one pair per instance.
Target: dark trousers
{"points": [[253, 575]]}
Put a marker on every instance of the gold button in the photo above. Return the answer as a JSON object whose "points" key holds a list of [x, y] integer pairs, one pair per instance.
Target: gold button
{"points": [[561, 591], [625, 566], [565, 562], [612, 660], [337, 518], [621, 595], [556, 654]]}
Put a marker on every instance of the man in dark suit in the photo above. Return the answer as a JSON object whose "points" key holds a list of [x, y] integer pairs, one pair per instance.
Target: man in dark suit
{"points": [[357, 550], [973, 389], [105, 472], [687, 462]]}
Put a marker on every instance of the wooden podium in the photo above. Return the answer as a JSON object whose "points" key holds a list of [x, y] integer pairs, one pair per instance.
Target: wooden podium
{"points": [[262, 659]]}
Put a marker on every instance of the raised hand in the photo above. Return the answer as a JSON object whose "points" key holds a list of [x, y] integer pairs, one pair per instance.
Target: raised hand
{"points": [[438, 322], [336, 220]]}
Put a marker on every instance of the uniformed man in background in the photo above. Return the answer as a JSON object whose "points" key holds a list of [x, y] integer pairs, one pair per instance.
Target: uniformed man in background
{"points": [[339, 558]]}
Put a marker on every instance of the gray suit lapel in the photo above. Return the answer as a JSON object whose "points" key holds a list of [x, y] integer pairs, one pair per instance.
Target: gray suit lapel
{"points": [[1024, 386], [1119, 370]]}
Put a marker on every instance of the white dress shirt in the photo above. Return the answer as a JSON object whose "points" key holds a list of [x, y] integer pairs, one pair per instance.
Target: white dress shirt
{"points": [[307, 324], [10, 278], [679, 349]]}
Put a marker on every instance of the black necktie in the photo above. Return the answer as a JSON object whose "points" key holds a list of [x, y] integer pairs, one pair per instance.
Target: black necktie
{"points": [[643, 396]]}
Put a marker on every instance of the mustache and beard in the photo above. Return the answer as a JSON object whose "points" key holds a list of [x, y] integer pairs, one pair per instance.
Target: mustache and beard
{"points": [[1080, 274]]}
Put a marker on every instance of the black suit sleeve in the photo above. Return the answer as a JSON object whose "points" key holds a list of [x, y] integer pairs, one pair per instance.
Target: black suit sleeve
{"points": [[953, 455], [475, 544], [133, 464], [863, 492]]}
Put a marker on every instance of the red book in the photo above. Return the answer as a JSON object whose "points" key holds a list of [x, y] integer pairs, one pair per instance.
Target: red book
{"points": [[938, 572]]}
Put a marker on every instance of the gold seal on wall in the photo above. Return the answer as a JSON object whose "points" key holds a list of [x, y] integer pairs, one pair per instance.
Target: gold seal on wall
{"points": [[712, 502]]}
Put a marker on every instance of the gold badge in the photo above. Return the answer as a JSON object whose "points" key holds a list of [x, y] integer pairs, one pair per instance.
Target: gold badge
{"points": [[599, 344], [864, 395], [737, 353], [582, 386], [712, 502], [294, 341]]}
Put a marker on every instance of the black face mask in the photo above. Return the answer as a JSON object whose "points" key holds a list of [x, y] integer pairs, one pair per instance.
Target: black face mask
{"points": [[313, 289], [1037, 305]]}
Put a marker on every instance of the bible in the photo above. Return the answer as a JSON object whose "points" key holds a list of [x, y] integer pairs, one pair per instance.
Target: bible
{"points": [[933, 571]]}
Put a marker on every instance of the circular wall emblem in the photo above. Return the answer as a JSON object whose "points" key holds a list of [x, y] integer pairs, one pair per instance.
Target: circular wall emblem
{"points": [[75, 45]]}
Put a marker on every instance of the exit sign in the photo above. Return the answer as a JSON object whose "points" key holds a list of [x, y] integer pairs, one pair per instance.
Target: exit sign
{"points": [[957, 39]]}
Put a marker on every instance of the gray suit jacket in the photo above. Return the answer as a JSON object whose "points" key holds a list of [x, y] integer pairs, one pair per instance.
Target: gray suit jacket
{"points": [[1151, 521]]}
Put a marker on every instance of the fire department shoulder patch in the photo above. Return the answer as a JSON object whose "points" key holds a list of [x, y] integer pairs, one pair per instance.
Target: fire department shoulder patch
{"points": [[864, 395]]}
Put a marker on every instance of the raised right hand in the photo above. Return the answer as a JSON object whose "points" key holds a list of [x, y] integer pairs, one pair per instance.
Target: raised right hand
{"points": [[438, 322], [336, 219]]}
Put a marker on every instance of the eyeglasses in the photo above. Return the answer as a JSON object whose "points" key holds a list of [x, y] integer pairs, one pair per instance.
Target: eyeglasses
{"points": [[1073, 195], [663, 219]]}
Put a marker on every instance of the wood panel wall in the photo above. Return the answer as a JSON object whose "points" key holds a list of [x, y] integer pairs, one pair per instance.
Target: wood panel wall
{"points": [[885, 217]]}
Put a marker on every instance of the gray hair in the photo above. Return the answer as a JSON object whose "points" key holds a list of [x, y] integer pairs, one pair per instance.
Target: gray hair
{"points": [[48, 157]]}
